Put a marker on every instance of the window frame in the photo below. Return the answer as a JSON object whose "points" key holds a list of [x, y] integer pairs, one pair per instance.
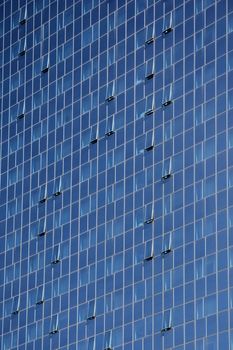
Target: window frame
{"points": [[150, 105], [21, 110], [43, 194], [56, 255], [149, 214], [149, 250], [110, 91], [167, 169], [23, 15], [167, 321], [167, 23], [149, 141], [150, 34], [167, 244], [91, 314], [54, 325], [22, 47], [150, 69], [42, 227], [57, 187], [110, 125], [45, 64], [108, 340], [167, 96], [15, 305], [40, 295], [94, 134]]}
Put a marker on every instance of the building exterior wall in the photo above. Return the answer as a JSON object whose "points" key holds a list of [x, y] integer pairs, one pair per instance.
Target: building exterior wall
{"points": [[116, 210]]}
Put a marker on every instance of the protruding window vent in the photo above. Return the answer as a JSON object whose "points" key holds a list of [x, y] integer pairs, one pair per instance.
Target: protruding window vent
{"points": [[166, 169], [54, 325], [150, 105], [15, 306], [91, 310], [167, 24], [150, 34], [23, 15], [148, 250], [56, 255], [110, 93], [109, 126], [149, 141]]}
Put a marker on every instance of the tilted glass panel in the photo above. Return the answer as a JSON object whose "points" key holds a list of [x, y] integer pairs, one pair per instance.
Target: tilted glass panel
{"points": [[22, 47], [110, 126], [108, 341], [167, 96], [57, 187], [21, 110], [45, 64], [167, 244], [54, 324], [148, 250], [91, 310], [149, 213], [150, 34], [56, 254], [23, 15], [167, 23], [110, 93], [150, 69], [150, 105], [15, 305], [43, 194], [94, 134], [40, 295], [149, 141], [42, 227], [166, 169], [167, 321]]}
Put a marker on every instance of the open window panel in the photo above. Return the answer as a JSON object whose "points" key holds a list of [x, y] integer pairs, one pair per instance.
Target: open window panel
{"points": [[23, 15], [15, 306], [167, 169], [43, 194], [150, 34], [167, 244], [108, 341], [42, 227], [53, 325], [150, 105], [110, 93], [91, 344], [149, 141], [150, 69], [109, 126], [57, 187], [56, 255], [167, 96], [94, 134], [149, 214], [21, 110], [91, 310], [167, 23], [22, 47], [45, 64], [148, 250], [40, 295], [167, 321]]}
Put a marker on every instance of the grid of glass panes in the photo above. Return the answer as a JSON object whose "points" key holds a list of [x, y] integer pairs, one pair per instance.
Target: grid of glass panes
{"points": [[107, 216]]}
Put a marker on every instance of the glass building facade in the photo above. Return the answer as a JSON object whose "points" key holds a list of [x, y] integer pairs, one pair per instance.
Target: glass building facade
{"points": [[116, 195]]}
